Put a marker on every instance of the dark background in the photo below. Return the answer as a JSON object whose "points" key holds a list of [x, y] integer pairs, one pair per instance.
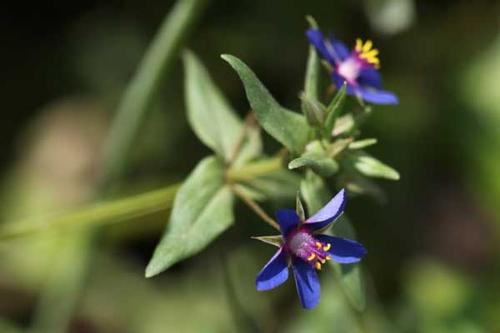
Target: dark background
{"points": [[433, 246]]}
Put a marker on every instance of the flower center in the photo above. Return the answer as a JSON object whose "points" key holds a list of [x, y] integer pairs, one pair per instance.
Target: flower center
{"points": [[304, 246], [349, 69]]}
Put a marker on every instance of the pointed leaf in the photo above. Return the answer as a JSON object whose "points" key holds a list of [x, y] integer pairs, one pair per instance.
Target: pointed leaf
{"points": [[344, 124], [209, 114], [311, 83], [287, 127], [362, 143], [202, 210], [320, 164], [371, 167]]}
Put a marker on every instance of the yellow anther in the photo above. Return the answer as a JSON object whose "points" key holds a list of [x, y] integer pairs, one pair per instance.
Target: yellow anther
{"points": [[319, 245], [322, 261], [366, 52], [328, 258], [368, 45], [311, 257], [327, 247], [359, 44], [318, 266]]}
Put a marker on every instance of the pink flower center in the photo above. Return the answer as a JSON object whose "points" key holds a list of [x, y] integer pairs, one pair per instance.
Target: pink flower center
{"points": [[303, 245], [349, 69]]}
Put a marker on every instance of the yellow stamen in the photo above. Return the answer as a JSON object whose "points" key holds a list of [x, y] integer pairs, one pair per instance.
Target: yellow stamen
{"points": [[318, 266], [311, 257], [327, 247], [322, 261], [359, 44], [368, 45], [318, 245], [367, 53], [328, 258]]}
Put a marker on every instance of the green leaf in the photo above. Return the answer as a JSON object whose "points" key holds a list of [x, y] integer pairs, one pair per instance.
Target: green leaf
{"points": [[202, 210], [276, 240], [276, 185], [251, 146], [287, 127], [350, 276], [334, 108], [314, 192], [209, 114], [360, 144], [344, 124], [319, 163], [311, 84], [371, 167]]}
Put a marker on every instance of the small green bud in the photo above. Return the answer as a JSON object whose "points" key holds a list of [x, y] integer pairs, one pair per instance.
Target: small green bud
{"points": [[313, 110]]}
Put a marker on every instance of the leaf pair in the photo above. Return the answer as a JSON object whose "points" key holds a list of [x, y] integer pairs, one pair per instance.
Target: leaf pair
{"points": [[203, 207]]}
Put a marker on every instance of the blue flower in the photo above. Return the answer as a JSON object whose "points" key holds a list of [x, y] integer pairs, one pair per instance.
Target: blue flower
{"points": [[305, 251], [358, 68]]}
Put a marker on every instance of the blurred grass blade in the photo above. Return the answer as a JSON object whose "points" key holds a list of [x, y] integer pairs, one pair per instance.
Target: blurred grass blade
{"points": [[202, 210], [98, 214], [141, 90], [210, 115], [287, 127]]}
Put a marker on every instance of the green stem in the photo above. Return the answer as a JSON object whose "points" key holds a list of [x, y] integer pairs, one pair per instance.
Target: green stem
{"points": [[255, 207], [103, 213], [253, 170]]}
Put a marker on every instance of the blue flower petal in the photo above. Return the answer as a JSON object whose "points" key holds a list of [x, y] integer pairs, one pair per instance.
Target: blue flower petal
{"points": [[341, 50], [307, 283], [377, 96], [287, 220], [370, 77], [274, 273], [316, 38], [328, 213], [344, 251]]}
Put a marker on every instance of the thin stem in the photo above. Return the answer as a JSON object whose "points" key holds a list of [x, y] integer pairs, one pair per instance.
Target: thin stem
{"points": [[250, 121], [253, 170], [255, 207]]}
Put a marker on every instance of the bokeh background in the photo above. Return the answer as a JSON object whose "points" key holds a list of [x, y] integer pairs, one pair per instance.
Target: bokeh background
{"points": [[434, 259]]}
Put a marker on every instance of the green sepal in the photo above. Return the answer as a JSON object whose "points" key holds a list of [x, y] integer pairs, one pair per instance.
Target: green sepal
{"points": [[317, 159], [276, 240], [334, 108]]}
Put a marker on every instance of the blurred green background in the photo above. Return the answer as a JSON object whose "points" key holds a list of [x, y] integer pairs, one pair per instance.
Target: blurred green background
{"points": [[433, 262]]}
